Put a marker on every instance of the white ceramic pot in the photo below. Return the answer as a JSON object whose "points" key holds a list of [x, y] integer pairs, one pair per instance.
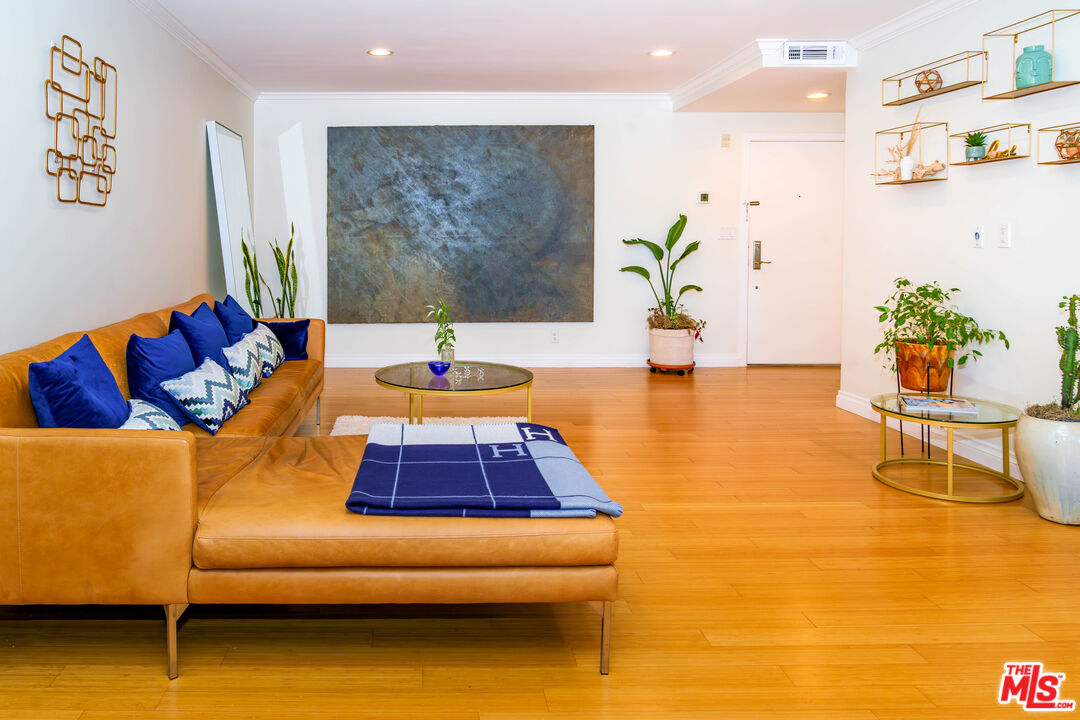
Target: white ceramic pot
{"points": [[671, 347], [907, 167], [1049, 455]]}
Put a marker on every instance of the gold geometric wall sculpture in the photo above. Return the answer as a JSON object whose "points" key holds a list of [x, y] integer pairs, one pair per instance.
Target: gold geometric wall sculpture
{"points": [[80, 99]]}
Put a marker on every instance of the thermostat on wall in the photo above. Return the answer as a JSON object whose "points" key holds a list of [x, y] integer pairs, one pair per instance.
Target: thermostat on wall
{"points": [[703, 198]]}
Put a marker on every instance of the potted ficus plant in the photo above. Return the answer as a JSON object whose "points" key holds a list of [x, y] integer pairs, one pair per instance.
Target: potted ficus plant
{"points": [[926, 336], [975, 146], [1048, 436], [444, 337], [672, 330]]}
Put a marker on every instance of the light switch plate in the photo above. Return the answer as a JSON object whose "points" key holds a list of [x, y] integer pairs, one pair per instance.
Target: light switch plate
{"points": [[1005, 237]]}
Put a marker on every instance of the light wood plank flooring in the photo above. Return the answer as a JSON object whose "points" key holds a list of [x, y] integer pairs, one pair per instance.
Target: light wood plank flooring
{"points": [[764, 574]]}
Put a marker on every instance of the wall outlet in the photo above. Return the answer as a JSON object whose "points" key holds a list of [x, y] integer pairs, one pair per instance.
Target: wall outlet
{"points": [[554, 337], [1005, 236], [977, 237], [725, 140], [703, 198]]}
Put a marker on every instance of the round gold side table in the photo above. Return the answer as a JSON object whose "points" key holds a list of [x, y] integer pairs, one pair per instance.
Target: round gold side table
{"points": [[990, 415], [465, 378]]}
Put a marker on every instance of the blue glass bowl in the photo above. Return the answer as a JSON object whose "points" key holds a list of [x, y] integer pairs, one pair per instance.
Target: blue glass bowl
{"points": [[438, 367]]}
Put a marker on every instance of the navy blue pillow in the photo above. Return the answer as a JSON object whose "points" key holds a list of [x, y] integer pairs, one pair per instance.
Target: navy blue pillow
{"points": [[293, 337], [76, 390], [150, 361], [234, 319], [203, 333]]}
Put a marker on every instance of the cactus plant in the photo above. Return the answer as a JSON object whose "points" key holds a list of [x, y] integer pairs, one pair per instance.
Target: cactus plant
{"points": [[1069, 342]]}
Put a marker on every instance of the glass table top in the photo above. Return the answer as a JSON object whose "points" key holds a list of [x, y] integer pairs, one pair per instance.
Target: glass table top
{"points": [[989, 413], [461, 377]]}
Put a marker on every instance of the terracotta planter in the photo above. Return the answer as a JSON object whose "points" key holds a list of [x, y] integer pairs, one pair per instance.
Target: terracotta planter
{"points": [[671, 347], [923, 369], [1049, 455]]}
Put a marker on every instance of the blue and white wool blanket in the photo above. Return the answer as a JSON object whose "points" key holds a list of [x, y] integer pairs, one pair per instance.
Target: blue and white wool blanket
{"points": [[499, 470]]}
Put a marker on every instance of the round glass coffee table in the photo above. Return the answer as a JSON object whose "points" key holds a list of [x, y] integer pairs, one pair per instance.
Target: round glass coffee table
{"points": [[463, 378], [989, 415]]}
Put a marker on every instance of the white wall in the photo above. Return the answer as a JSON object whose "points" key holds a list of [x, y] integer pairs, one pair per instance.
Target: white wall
{"points": [[924, 231], [650, 163], [69, 267]]}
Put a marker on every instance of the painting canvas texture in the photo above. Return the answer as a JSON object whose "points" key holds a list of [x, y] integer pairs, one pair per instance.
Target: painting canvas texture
{"points": [[496, 220]]}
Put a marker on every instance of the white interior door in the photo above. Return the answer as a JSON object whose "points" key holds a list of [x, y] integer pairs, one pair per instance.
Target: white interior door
{"points": [[793, 308]]}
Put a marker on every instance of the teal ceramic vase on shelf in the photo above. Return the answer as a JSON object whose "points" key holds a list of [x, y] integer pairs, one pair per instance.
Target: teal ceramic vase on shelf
{"points": [[1035, 66]]}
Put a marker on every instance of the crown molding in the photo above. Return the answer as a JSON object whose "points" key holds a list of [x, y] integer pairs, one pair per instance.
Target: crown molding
{"points": [[912, 19], [743, 61], [178, 30], [462, 97]]}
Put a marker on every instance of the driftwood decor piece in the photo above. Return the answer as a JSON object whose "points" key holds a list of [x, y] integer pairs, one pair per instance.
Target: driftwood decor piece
{"points": [[80, 99], [906, 149]]}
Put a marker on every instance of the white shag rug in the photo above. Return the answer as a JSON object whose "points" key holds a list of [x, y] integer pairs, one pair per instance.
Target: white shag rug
{"points": [[361, 424]]}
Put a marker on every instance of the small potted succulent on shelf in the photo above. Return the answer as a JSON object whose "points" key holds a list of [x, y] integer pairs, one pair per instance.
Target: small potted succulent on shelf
{"points": [[444, 337], [1048, 436], [925, 332], [672, 330], [975, 146]]}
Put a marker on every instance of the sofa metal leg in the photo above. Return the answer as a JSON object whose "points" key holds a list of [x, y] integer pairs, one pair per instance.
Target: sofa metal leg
{"points": [[172, 615], [318, 411], [605, 638]]}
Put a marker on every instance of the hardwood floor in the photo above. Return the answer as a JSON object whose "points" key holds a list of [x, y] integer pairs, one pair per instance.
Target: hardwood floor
{"points": [[763, 574]]}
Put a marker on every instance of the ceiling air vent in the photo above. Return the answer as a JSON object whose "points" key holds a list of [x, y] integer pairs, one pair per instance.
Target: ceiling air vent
{"points": [[784, 53]]}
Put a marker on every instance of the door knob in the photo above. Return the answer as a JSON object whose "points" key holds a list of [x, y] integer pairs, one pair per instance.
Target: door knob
{"points": [[758, 262]]}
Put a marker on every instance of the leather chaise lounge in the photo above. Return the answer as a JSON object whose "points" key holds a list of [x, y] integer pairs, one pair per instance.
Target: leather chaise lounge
{"points": [[251, 515]]}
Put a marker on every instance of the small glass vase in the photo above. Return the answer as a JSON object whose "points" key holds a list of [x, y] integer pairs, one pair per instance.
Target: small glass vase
{"points": [[447, 355]]}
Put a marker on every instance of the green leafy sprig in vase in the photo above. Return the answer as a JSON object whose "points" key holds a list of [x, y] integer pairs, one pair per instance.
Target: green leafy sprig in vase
{"points": [[444, 331]]}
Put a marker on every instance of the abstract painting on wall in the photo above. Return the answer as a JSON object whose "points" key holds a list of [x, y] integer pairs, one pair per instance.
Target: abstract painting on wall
{"points": [[497, 220]]}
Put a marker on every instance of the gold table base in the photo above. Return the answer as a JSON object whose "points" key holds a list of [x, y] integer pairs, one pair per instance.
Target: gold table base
{"points": [[949, 464], [416, 397]]}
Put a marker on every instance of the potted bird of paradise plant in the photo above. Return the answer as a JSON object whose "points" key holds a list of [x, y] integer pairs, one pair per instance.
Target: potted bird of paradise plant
{"points": [[672, 330]]}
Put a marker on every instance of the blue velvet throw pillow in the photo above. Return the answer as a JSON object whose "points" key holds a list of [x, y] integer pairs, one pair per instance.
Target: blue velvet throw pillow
{"points": [[234, 319], [152, 360], [204, 334], [293, 337], [76, 390]]}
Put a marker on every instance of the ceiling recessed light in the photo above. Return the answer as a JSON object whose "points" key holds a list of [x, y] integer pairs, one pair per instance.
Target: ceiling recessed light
{"points": [[817, 96], [380, 52], [662, 53]]}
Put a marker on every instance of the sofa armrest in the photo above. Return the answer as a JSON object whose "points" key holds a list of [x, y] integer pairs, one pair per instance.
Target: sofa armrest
{"points": [[96, 516], [316, 341]]}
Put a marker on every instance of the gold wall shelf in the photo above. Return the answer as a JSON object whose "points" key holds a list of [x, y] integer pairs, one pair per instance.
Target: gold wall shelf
{"points": [[1043, 29], [1007, 135], [931, 149], [946, 75], [1048, 139]]}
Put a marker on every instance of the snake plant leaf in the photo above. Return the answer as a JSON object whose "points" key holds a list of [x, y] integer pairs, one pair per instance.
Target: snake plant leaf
{"points": [[675, 232], [637, 269], [655, 249], [689, 249]]}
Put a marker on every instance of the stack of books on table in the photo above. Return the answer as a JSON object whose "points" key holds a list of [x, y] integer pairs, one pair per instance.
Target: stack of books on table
{"points": [[942, 405]]}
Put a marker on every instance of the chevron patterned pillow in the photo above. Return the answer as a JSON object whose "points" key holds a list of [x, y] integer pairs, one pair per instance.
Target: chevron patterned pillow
{"points": [[245, 364], [270, 350], [147, 416], [209, 395]]}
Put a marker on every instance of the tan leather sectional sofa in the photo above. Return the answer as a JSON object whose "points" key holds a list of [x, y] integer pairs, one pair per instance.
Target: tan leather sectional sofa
{"points": [[251, 515]]}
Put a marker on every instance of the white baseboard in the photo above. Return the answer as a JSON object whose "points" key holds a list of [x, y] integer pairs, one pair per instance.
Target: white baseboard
{"points": [[982, 451], [336, 360]]}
